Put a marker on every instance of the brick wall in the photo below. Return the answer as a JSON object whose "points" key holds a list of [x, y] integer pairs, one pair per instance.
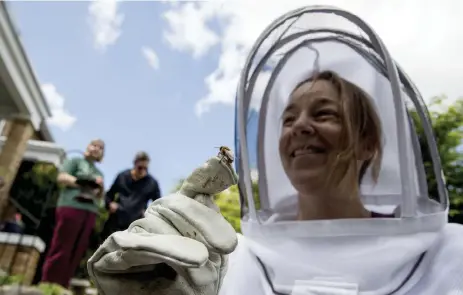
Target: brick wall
{"points": [[11, 155]]}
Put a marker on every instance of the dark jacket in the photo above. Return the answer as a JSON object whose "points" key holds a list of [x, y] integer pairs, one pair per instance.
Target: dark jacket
{"points": [[132, 196]]}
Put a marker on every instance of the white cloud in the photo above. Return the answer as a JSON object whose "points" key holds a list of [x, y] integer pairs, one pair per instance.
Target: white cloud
{"points": [[188, 29], [105, 22], [151, 57], [424, 37], [61, 117]]}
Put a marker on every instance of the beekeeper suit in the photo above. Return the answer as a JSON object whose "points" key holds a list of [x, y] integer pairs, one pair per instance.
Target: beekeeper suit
{"points": [[183, 246]]}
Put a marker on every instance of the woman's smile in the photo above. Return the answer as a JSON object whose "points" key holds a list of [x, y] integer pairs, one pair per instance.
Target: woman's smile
{"points": [[307, 150]]}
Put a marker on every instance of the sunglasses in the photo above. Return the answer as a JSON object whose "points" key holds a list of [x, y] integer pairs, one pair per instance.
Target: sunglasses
{"points": [[142, 168]]}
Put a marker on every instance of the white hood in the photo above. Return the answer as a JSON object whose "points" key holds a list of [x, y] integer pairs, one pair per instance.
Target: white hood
{"points": [[370, 256]]}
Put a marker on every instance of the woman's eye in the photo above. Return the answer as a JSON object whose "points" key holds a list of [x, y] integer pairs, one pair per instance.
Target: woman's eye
{"points": [[326, 114], [288, 120]]}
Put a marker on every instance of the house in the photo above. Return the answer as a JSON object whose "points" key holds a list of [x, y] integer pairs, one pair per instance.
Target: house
{"points": [[27, 152], [24, 134]]}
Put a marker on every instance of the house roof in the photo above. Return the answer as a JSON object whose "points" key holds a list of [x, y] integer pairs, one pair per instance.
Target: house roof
{"points": [[17, 75]]}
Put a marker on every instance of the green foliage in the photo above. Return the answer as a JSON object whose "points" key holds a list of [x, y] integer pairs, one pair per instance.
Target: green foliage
{"points": [[45, 288], [447, 123], [229, 203], [11, 280], [101, 218], [51, 289], [35, 187], [42, 174]]}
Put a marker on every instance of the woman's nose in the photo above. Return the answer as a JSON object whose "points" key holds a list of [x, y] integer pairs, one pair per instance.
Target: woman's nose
{"points": [[303, 125]]}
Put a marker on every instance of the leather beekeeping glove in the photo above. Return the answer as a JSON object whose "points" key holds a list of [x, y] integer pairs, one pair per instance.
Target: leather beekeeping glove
{"points": [[180, 247]]}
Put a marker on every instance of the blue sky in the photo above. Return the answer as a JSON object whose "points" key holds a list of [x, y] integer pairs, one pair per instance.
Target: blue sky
{"points": [[117, 96], [178, 105]]}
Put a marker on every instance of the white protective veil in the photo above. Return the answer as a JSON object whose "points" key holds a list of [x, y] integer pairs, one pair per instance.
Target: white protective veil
{"points": [[371, 256]]}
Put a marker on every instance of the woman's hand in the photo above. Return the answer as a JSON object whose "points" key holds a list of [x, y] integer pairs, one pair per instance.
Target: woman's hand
{"points": [[99, 180], [113, 206], [67, 180], [99, 192]]}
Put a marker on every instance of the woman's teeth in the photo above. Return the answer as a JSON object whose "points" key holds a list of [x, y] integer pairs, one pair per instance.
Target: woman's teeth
{"points": [[305, 151]]}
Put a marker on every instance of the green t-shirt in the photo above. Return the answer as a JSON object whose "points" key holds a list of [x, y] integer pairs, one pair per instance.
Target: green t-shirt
{"points": [[78, 167]]}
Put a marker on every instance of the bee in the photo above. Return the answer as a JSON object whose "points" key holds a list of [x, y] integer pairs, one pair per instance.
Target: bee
{"points": [[225, 153]]}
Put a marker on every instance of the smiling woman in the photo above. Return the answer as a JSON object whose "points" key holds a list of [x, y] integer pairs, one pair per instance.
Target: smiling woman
{"points": [[331, 133]]}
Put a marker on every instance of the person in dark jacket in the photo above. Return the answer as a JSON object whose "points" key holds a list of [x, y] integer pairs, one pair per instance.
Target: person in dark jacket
{"points": [[128, 197]]}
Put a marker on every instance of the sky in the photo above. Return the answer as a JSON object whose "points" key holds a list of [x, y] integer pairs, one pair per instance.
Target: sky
{"points": [[162, 76]]}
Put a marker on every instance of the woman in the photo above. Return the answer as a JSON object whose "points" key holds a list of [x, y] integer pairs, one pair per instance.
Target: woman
{"points": [[76, 213], [330, 136], [343, 211]]}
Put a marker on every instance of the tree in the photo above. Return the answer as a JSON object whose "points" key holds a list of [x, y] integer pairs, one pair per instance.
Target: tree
{"points": [[228, 202], [447, 123], [34, 190]]}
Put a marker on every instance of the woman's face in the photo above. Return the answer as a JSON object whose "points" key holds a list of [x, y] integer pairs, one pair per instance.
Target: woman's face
{"points": [[311, 129], [95, 150]]}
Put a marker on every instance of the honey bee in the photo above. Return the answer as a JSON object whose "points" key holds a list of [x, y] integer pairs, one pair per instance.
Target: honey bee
{"points": [[225, 153]]}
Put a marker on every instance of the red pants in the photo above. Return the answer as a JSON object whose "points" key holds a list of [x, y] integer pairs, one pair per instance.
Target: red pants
{"points": [[68, 245]]}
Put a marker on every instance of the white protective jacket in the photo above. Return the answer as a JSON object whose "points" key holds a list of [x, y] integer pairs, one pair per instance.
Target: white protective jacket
{"points": [[440, 272]]}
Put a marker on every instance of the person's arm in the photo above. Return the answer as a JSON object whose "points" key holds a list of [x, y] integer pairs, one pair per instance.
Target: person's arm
{"points": [[111, 194], [65, 176]]}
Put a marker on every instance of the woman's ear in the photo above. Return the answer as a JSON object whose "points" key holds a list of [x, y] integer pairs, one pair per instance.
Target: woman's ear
{"points": [[367, 151]]}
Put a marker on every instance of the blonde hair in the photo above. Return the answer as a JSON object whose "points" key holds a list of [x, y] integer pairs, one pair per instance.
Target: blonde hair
{"points": [[361, 125], [99, 142]]}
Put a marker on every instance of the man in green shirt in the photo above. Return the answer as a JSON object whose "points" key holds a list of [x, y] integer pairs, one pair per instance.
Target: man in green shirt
{"points": [[76, 214]]}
